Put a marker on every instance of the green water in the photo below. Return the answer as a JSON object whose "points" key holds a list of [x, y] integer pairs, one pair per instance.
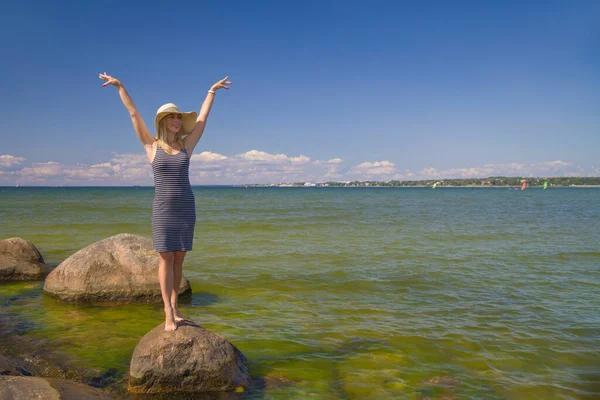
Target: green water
{"points": [[350, 293]]}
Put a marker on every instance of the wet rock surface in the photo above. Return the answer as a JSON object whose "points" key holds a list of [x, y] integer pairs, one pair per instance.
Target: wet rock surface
{"points": [[20, 260], [118, 269], [190, 359]]}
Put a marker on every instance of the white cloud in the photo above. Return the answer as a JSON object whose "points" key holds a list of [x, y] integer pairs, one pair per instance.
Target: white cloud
{"points": [[9, 161], [207, 156], [129, 160], [557, 163], [332, 161], [94, 172], [374, 168], [300, 160], [261, 156], [332, 169], [257, 166], [547, 168], [510, 166], [253, 166], [41, 170]]}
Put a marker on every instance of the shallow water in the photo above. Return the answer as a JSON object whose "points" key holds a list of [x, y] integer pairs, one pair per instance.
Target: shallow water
{"points": [[350, 293]]}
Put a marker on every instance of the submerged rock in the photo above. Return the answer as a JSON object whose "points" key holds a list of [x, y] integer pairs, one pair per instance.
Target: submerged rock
{"points": [[21, 261], [25, 355], [121, 268], [270, 382], [443, 387], [190, 359], [22, 387], [13, 366]]}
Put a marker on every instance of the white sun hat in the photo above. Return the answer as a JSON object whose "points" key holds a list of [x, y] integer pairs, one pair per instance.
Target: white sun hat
{"points": [[188, 119]]}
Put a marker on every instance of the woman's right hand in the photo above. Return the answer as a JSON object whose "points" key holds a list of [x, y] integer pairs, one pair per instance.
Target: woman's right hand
{"points": [[110, 80]]}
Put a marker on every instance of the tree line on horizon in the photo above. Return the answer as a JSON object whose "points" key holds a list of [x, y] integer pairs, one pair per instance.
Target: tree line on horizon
{"points": [[491, 181], [500, 181]]}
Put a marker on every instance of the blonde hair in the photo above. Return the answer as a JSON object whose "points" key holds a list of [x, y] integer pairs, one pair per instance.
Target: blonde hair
{"points": [[163, 135]]}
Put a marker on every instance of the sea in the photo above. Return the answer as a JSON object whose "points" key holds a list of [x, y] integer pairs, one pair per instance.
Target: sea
{"points": [[348, 293]]}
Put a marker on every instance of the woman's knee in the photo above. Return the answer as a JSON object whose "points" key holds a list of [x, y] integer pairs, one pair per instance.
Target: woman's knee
{"points": [[179, 257], [167, 257]]}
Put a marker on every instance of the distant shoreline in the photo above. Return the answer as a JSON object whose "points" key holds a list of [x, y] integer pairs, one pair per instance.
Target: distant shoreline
{"points": [[305, 187], [415, 187]]}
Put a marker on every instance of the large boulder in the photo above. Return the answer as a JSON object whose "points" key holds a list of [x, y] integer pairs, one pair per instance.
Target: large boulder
{"points": [[22, 387], [118, 269], [20, 260], [190, 359]]}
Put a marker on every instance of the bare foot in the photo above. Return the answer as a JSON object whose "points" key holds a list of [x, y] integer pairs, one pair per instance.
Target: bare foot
{"points": [[177, 315], [170, 324]]}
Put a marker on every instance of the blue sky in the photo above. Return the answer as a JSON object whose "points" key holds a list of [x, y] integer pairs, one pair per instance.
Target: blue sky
{"points": [[321, 91]]}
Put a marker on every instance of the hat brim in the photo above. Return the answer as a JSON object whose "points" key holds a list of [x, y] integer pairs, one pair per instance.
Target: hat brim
{"points": [[188, 121]]}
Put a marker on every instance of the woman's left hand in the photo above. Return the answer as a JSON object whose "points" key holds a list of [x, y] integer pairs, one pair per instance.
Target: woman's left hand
{"points": [[221, 84]]}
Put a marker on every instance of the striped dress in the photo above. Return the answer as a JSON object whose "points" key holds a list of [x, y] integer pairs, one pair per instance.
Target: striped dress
{"points": [[173, 208]]}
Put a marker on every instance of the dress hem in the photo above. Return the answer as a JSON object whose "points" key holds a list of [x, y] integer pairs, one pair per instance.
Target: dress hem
{"points": [[163, 251]]}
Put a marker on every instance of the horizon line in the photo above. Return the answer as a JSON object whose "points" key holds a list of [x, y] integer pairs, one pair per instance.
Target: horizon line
{"points": [[297, 182]]}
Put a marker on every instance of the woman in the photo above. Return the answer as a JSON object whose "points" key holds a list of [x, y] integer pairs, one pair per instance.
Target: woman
{"points": [[173, 208]]}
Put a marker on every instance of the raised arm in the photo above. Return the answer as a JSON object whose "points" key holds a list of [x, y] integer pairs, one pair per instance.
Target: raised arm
{"points": [[138, 123], [192, 139]]}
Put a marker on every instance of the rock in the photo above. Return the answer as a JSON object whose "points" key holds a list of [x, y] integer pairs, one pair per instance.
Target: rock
{"points": [[33, 356], [21, 261], [271, 382], [190, 359], [443, 387], [446, 381], [120, 269], [10, 366], [21, 387]]}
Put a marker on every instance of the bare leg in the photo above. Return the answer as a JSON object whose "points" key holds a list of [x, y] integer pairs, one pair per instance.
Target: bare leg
{"points": [[165, 277], [177, 274]]}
